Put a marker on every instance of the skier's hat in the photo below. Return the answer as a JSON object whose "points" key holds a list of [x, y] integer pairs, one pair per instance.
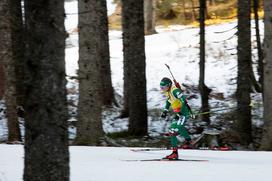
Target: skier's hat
{"points": [[165, 83]]}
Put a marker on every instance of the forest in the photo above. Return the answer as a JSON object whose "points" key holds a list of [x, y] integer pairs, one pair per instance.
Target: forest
{"points": [[92, 73]]}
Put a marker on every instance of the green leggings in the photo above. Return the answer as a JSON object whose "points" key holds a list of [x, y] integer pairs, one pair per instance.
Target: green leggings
{"points": [[178, 126]]}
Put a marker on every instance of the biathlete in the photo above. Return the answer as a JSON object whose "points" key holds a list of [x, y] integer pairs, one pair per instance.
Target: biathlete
{"points": [[182, 111]]}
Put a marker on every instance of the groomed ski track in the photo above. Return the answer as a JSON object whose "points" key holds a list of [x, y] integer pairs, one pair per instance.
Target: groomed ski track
{"points": [[105, 164]]}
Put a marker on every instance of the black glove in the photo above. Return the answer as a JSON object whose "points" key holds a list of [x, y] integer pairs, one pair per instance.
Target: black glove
{"points": [[164, 113], [177, 116]]}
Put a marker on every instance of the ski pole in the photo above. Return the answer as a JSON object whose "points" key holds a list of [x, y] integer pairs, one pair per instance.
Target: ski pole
{"points": [[223, 109], [213, 111]]}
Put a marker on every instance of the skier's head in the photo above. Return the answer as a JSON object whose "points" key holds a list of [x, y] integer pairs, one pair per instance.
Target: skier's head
{"points": [[165, 84]]}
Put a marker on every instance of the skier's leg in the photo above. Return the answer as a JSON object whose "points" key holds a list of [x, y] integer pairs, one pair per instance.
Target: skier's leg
{"points": [[174, 131], [181, 128], [174, 141], [184, 133]]}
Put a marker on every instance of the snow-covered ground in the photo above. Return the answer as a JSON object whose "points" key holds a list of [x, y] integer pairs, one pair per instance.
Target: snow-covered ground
{"points": [[175, 45], [178, 46], [109, 164]]}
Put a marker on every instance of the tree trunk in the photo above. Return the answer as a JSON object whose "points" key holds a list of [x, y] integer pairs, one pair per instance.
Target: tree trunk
{"points": [[193, 10], [125, 110], [134, 58], [104, 58], [256, 86], [46, 138], [184, 9], [211, 2], [267, 93], [207, 11], [89, 127], [243, 123], [258, 39], [204, 90], [2, 84], [149, 16], [18, 48], [7, 56]]}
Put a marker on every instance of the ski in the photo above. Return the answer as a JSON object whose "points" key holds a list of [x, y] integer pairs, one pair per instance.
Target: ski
{"points": [[198, 148], [149, 149], [161, 159]]}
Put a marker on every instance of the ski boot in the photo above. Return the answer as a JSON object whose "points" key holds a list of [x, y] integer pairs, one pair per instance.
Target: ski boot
{"points": [[173, 155]]}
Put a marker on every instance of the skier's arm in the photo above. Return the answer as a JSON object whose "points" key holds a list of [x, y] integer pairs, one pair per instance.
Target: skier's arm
{"points": [[167, 105], [165, 110], [178, 94]]}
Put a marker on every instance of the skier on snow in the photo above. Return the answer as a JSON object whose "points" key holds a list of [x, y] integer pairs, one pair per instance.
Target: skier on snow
{"points": [[182, 111]]}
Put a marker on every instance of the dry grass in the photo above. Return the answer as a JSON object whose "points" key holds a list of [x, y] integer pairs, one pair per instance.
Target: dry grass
{"points": [[115, 19], [218, 13]]}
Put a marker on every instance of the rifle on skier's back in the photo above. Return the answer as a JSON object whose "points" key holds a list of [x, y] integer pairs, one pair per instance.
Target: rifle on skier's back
{"points": [[179, 87]]}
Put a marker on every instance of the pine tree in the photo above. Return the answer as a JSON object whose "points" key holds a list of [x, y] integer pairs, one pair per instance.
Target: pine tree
{"points": [[89, 127], [1, 80], [107, 93], [258, 40], [18, 48], [204, 90], [150, 16], [244, 80], [46, 134], [8, 55], [134, 64], [267, 93]]}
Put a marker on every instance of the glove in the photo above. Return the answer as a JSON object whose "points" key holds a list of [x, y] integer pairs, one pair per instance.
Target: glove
{"points": [[164, 113], [177, 116]]}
